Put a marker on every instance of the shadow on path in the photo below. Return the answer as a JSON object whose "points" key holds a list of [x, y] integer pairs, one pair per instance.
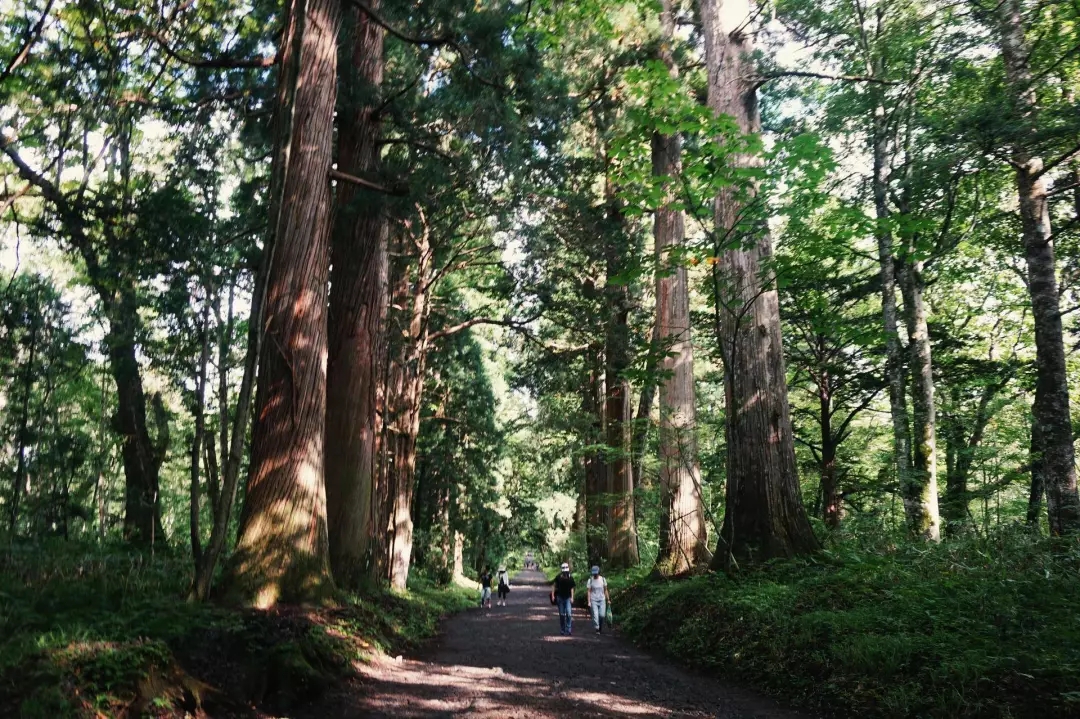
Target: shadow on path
{"points": [[512, 662]]}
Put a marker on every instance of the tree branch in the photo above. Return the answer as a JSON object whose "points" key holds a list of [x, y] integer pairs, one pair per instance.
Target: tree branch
{"points": [[367, 184]]}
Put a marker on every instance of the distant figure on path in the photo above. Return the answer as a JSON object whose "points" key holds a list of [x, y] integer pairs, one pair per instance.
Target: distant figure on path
{"points": [[504, 586], [562, 591], [598, 598], [485, 588]]}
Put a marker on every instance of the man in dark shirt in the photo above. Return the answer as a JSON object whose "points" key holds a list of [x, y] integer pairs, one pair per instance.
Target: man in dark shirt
{"points": [[562, 589]]}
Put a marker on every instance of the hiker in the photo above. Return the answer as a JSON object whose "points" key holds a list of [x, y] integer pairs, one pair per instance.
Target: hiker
{"points": [[504, 586], [485, 588], [598, 598], [562, 595]]}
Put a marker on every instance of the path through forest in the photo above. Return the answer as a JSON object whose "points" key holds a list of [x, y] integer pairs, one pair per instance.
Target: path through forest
{"points": [[512, 662]]}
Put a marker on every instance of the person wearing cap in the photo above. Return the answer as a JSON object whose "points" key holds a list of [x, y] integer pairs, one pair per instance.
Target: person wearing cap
{"points": [[562, 591], [504, 586], [598, 598], [485, 588]]}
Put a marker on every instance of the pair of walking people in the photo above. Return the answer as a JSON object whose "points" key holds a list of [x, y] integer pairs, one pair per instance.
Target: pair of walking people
{"points": [[485, 587], [562, 595]]}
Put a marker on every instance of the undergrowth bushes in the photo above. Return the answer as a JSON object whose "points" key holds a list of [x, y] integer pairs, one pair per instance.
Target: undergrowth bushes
{"points": [[89, 632], [976, 628]]}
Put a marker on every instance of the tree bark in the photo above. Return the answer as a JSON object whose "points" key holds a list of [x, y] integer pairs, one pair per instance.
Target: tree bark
{"points": [[683, 540], [622, 527], [764, 516], [595, 465], [199, 407], [894, 361], [404, 396], [921, 491], [357, 311], [142, 456], [1052, 462], [282, 553]]}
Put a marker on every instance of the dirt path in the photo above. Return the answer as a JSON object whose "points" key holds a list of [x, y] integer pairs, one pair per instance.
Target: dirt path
{"points": [[512, 662]]}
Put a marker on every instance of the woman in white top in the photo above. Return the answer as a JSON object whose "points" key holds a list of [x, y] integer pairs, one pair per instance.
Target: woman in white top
{"points": [[504, 586], [598, 598]]}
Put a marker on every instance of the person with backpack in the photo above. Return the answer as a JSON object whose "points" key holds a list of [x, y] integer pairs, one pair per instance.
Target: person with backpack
{"points": [[598, 598], [485, 588], [504, 586], [562, 596]]}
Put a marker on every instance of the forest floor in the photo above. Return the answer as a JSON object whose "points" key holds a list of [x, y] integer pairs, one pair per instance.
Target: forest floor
{"points": [[512, 662]]}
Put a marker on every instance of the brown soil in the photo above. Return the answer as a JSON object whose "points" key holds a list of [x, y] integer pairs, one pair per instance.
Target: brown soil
{"points": [[512, 662]]}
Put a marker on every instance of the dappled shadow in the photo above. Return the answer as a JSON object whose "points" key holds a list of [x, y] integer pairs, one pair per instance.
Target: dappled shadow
{"points": [[513, 662]]}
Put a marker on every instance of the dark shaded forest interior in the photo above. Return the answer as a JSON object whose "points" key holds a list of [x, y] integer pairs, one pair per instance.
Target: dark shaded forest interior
{"points": [[310, 311]]}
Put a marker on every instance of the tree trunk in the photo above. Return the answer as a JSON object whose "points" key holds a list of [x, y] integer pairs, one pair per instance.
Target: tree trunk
{"points": [[832, 510], [232, 453], [407, 380], [357, 309], [622, 529], [282, 553], [683, 541], [141, 455], [764, 516], [595, 466], [198, 409], [921, 492], [894, 361], [1052, 464], [18, 481]]}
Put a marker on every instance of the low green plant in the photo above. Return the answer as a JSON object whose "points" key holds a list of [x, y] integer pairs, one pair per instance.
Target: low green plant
{"points": [[971, 628]]}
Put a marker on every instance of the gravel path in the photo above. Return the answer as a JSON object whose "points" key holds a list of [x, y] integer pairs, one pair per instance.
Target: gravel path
{"points": [[511, 662]]}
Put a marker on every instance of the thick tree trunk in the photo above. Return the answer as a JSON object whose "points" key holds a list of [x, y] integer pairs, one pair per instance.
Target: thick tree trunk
{"points": [[894, 361], [764, 516], [921, 492], [357, 310], [683, 541], [141, 455], [1052, 463], [282, 553]]}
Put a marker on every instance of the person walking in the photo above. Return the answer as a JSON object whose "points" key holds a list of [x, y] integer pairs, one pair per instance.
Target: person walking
{"points": [[504, 586], [562, 592], [598, 598], [485, 588]]}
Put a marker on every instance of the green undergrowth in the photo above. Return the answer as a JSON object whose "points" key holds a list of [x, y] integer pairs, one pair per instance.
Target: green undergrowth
{"points": [[979, 628], [91, 632]]}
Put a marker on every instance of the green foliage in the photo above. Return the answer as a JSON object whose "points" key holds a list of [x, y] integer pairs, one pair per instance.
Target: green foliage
{"points": [[103, 630], [979, 628]]}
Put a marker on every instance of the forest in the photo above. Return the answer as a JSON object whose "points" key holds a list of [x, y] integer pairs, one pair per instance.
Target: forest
{"points": [[312, 310]]}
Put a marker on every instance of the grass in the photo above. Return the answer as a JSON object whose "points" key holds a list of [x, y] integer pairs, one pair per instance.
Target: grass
{"points": [[92, 632], [978, 628]]}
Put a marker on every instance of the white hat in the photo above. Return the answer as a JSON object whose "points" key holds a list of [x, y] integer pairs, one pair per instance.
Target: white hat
{"points": [[595, 570], [565, 567], [502, 569]]}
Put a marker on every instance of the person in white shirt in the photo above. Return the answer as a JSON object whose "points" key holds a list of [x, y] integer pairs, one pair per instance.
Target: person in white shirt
{"points": [[504, 586], [597, 590]]}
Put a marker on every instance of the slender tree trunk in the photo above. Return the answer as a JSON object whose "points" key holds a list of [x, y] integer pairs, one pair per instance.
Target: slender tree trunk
{"points": [[894, 361], [410, 369], [921, 493], [764, 516], [18, 481], [831, 500], [622, 529], [1052, 465], [199, 407], [595, 466], [282, 553], [357, 310]]}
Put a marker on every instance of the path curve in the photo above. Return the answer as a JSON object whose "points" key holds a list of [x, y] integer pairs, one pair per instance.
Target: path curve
{"points": [[511, 662]]}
